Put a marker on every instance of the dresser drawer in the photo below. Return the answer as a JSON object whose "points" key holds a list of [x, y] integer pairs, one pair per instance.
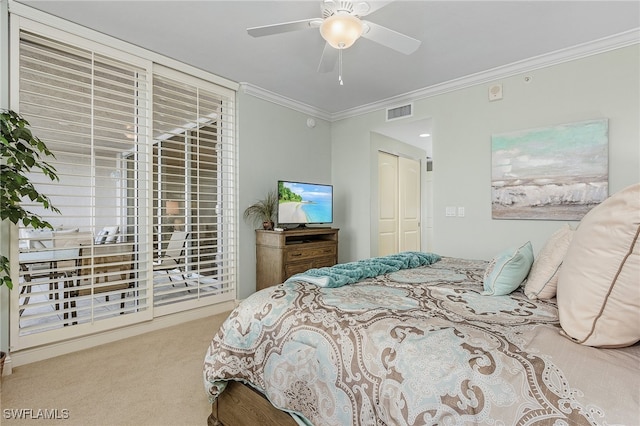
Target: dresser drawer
{"points": [[293, 268], [323, 261], [296, 268], [303, 253]]}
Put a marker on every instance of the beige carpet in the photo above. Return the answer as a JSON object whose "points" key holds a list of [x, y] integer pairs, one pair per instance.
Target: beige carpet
{"points": [[152, 379]]}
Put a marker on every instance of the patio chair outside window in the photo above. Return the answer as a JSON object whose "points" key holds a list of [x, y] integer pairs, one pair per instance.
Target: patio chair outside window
{"points": [[173, 255]]}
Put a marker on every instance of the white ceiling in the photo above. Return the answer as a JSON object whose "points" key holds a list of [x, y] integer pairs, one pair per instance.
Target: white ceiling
{"points": [[459, 38]]}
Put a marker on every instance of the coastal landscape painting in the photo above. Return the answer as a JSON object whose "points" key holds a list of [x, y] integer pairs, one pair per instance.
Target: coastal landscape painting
{"points": [[552, 173], [302, 203]]}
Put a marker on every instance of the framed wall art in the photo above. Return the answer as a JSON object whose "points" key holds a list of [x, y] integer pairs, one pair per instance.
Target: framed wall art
{"points": [[552, 173]]}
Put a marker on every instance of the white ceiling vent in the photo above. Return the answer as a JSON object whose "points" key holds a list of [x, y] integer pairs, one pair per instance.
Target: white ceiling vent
{"points": [[399, 112]]}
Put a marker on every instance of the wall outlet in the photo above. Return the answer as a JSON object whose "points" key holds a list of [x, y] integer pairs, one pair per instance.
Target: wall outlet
{"points": [[460, 211]]}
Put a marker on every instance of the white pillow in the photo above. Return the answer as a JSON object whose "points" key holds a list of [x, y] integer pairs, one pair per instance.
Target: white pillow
{"points": [[599, 282], [112, 234], [101, 237], [543, 277]]}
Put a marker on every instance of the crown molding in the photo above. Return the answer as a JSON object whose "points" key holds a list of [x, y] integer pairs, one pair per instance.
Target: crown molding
{"points": [[264, 94], [584, 50], [602, 45]]}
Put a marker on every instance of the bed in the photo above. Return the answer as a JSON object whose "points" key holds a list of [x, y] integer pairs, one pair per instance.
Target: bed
{"points": [[432, 344]]}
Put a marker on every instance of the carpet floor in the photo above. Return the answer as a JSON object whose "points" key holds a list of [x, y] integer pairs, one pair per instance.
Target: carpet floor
{"points": [[151, 379]]}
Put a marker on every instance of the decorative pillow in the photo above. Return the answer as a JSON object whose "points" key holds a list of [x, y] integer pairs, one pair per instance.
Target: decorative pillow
{"points": [[598, 284], [508, 270], [543, 277], [102, 236], [112, 233]]}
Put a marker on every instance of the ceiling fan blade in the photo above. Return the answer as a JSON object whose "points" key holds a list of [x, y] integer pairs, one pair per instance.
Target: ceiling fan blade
{"points": [[329, 59], [390, 38], [284, 27]]}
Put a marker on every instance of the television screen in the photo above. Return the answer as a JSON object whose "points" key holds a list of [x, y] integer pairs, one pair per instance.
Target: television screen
{"points": [[304, 203]]}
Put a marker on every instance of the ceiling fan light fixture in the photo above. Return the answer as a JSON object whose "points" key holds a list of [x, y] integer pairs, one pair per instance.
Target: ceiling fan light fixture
{"points": [[341, 30]]}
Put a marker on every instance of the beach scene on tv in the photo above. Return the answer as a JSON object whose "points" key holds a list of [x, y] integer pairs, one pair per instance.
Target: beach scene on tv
{"points": [[300, 203]]}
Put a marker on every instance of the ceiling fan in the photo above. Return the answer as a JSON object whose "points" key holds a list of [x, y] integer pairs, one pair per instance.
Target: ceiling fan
{"points": [[341, 25]]}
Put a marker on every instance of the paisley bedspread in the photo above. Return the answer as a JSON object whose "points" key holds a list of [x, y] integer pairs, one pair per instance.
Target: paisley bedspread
{"points": [[420, 346]]}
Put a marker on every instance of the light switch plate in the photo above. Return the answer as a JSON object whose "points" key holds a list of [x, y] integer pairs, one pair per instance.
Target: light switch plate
{"points": [[450, 211]]}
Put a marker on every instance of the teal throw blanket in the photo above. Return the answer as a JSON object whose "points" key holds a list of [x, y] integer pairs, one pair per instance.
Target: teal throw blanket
{"points": [[352, 272]]}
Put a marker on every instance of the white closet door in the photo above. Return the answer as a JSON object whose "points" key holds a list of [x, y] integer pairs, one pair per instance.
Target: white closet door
{"points": [[398, 204], [409, 204], [387, 204]]}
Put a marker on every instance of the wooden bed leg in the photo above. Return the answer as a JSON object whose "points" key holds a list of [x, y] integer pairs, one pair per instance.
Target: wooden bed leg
{"points": [[242, 405], [212, 420]]}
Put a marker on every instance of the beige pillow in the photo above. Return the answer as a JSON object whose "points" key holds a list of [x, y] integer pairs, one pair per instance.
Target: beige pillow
{"points": [[543, 277], [599, 282]]}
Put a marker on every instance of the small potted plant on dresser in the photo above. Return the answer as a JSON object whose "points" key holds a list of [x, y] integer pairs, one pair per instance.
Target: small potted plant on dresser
{"points": [[22, 153], [262, 212]]}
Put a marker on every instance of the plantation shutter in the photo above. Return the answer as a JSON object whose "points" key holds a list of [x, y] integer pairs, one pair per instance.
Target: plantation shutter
{"points": [[193, 192], [91, 271], [146, 189]]}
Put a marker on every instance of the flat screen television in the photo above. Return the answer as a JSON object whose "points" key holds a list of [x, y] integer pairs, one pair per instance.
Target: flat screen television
{"points": [[302, 203]]}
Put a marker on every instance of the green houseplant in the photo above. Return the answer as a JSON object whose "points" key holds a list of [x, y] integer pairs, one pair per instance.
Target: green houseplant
{"points": [[22, 153], [262, 212]]}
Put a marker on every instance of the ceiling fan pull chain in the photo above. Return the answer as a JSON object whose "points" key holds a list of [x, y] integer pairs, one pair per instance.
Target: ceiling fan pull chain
{"points": [[340, 67]]}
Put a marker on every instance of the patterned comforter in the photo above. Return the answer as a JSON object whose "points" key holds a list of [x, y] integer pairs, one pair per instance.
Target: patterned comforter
{"points": [[420, 346]]}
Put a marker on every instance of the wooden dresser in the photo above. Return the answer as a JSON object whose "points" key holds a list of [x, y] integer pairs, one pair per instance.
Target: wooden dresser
{"points": [[281, 254]]}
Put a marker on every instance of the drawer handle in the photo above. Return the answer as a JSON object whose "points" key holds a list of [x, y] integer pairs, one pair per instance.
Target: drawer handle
{"points": [[296, 254]]}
